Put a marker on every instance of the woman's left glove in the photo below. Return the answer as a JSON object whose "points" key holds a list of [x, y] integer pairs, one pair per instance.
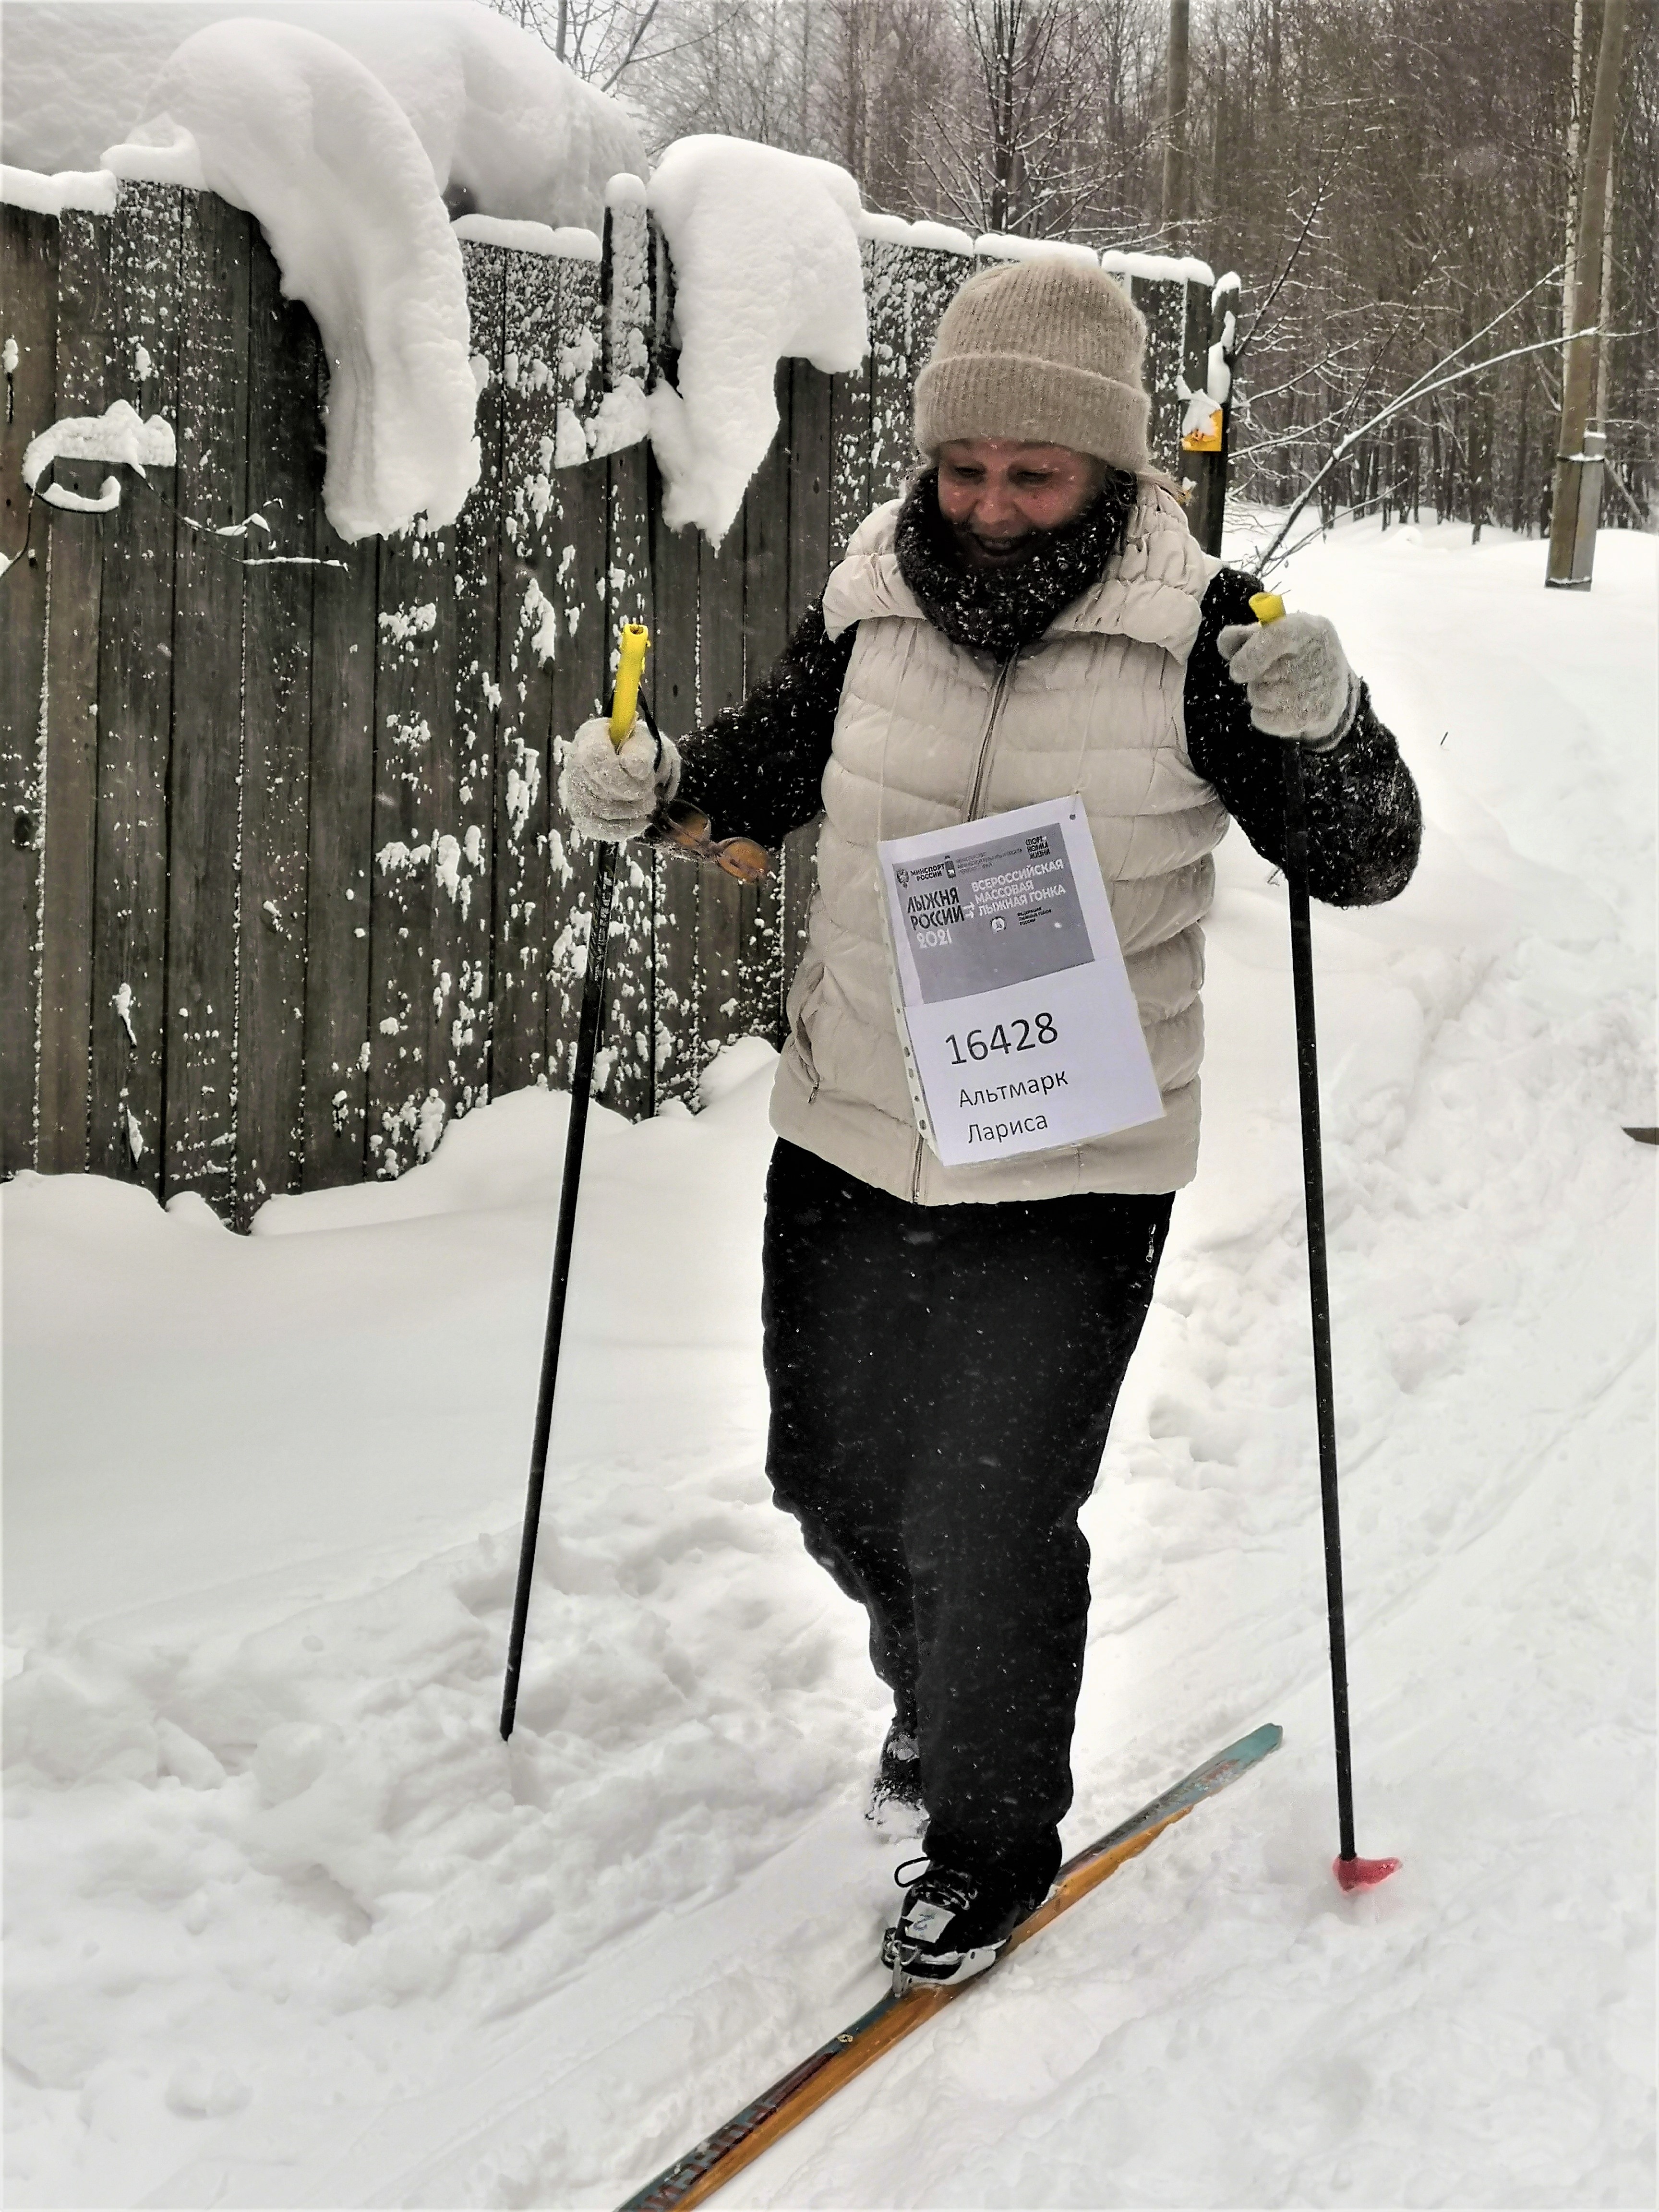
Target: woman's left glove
{"points": [[612, 791], [1298, 676]]}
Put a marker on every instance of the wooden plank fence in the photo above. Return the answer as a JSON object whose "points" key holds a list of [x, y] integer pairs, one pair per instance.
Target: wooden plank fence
{"points": [[284, 880]]}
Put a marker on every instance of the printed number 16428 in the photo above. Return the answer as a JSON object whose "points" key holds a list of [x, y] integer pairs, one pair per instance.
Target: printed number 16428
{"points": [[1029, 1035]]}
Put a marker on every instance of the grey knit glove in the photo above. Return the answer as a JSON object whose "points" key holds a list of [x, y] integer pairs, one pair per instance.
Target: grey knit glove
{"points": [[1298, 676], [610, 792]]}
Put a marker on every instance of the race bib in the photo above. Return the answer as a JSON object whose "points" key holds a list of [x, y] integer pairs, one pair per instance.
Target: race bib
{"points": [[1018, 1026]]}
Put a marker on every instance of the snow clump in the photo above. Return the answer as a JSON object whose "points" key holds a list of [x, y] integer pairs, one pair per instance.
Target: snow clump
{"points": [[508, 129], [765, 247], [119, 433], [287, 125]]}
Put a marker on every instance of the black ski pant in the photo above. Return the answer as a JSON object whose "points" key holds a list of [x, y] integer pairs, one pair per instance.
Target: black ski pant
{"points": [[942, 1379]]}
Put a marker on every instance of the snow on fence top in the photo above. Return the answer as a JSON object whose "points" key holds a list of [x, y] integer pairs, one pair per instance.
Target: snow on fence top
{"points": [[297, 131], [765, 251], [508, 129], [1158, 267], [346, 148], [1006, 246], [571, 241], [893, 230], [91, 190]]}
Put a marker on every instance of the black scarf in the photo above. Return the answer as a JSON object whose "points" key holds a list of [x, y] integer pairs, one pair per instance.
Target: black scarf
{"points": [[1000, 610]]}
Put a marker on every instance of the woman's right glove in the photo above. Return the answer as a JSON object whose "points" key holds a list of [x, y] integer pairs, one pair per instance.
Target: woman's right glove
{"points": [[611, 791]]}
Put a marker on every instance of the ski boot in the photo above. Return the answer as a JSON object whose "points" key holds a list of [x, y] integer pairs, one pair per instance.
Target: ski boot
{"points": [[949, 1928]]}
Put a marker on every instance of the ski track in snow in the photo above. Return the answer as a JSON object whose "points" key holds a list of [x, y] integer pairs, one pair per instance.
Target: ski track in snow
{"points": [[287, 1925]]}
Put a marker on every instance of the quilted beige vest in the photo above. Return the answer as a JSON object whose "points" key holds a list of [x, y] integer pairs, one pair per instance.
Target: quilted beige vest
{"points": [[929, 734]]}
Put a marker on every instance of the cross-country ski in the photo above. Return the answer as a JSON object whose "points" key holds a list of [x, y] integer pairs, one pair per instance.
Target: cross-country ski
{"points": [[696, 2177]]}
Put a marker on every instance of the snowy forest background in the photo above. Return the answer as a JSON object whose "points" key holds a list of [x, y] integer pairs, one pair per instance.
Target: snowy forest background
{"points": [[1393, 178]]}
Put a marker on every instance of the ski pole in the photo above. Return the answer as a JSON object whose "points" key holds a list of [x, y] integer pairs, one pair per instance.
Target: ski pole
{"points": [[1351, 1872], [624, 701]]}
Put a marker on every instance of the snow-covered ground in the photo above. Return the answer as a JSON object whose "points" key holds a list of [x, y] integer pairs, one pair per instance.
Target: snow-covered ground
{"points": [[289, 1925]]}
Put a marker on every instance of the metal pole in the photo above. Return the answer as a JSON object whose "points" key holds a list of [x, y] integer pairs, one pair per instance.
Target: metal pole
{"points": [[581, 1084], [632, 643], [1313, 1176]]}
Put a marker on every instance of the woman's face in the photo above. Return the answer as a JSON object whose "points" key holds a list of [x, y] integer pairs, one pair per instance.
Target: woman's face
{"points": [[995, 492]]}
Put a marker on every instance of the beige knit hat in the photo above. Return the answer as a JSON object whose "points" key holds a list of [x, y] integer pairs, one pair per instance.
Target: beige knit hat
{"points": [[1048, 351]]}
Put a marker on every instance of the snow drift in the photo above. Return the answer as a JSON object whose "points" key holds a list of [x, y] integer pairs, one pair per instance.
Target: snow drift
{"points": [[509, 130]]}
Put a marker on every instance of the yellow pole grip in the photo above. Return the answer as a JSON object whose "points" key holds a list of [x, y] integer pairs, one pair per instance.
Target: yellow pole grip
{"points": [[1267, 606], [625, 699]]}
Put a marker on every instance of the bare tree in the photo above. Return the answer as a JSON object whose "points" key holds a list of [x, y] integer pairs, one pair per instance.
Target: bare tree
{"points": [[1012, 123], [744, 68], [1393, 172], [888, 66], [600, 39]]}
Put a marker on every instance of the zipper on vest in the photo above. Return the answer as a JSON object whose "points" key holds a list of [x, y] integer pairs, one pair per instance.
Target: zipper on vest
{"points": [[999, 691]]}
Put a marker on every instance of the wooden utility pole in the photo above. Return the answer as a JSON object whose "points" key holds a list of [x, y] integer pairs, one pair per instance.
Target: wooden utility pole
{"points": [[1578, 491], [1603, 350], [1575, 156], [1175, 142]]}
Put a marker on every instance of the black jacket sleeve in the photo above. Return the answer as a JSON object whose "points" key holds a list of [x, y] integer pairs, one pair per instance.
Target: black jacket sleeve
{"points": [[1365, 821], [756, 770]]}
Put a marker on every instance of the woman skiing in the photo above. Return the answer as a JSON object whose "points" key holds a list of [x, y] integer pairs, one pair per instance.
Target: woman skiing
{"points": [[944, 1345]]}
